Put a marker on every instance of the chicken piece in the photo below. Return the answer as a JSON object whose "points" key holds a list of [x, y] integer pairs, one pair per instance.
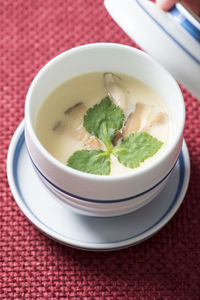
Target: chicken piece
{"points": [[115, 90], [156, 118], [142, 119], [134, 121], [92, 143]]}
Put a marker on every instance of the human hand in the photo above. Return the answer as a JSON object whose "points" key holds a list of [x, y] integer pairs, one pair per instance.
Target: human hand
{"points": [[193, 5]]}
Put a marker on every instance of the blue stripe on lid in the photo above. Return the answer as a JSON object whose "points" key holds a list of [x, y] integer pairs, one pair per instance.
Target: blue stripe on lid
{"points": [[168, 34], [185, 23]]}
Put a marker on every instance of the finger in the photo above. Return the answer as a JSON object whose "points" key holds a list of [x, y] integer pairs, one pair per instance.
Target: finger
{"points": [[165, 4]]}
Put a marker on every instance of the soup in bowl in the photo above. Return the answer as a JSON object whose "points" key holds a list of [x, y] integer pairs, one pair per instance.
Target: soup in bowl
{"points": [[102, 128]]}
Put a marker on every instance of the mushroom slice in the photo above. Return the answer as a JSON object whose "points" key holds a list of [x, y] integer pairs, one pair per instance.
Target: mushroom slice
{"points": [[134, 120], [73, 107], [115, 90], [72, 125], [74, 122], [117, 138], [58, 126], [92, 143]]}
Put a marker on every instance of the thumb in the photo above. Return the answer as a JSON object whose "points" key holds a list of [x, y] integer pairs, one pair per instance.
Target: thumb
{"points": [[166, 4], [194, 5]]}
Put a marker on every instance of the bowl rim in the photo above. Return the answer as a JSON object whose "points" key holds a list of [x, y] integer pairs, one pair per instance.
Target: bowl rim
{"points": [[80, 174]]}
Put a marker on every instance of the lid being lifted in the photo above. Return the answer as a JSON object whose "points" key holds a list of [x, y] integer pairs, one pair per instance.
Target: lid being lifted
{"points": [[172, 38]]}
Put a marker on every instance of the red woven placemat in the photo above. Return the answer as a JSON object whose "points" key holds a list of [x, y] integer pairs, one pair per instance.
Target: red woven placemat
{"points": [[34, 267]]}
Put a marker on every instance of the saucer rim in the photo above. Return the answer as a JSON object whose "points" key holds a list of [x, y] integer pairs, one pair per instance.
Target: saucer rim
{"points": [[108, 246]]}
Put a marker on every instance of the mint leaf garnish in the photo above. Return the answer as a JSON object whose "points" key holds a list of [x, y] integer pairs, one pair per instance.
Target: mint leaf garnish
{"points": [[90, 161], [103, 119], [136, 148]]}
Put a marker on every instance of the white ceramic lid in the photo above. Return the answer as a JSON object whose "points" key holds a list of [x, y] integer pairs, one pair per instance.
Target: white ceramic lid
{"points": [[172, 38]]}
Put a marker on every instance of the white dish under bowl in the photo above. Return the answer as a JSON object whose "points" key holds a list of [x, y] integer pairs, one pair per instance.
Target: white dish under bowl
{"points": [[61, 223]]}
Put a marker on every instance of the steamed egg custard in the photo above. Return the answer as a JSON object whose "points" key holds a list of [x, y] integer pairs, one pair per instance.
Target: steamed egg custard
{"points": [[104, 123]]}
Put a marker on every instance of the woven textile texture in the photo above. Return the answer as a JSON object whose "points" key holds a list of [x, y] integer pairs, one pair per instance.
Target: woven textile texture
{"points": [[167, 266]]}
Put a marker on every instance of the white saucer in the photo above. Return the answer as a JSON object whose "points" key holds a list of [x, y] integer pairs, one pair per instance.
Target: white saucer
{"points": [[62, 224]]}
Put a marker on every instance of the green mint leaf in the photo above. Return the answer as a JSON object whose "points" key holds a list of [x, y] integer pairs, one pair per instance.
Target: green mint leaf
{"points": [[136, 148], [94, 161], [103, 119]]}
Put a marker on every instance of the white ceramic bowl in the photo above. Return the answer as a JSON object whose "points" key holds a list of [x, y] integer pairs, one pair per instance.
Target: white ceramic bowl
{"points": [[101, 195]]}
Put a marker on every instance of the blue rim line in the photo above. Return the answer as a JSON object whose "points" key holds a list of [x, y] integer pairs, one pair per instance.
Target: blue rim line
{"points": [[161, 27], [15, 163], [98, 201], [185, 23]]}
